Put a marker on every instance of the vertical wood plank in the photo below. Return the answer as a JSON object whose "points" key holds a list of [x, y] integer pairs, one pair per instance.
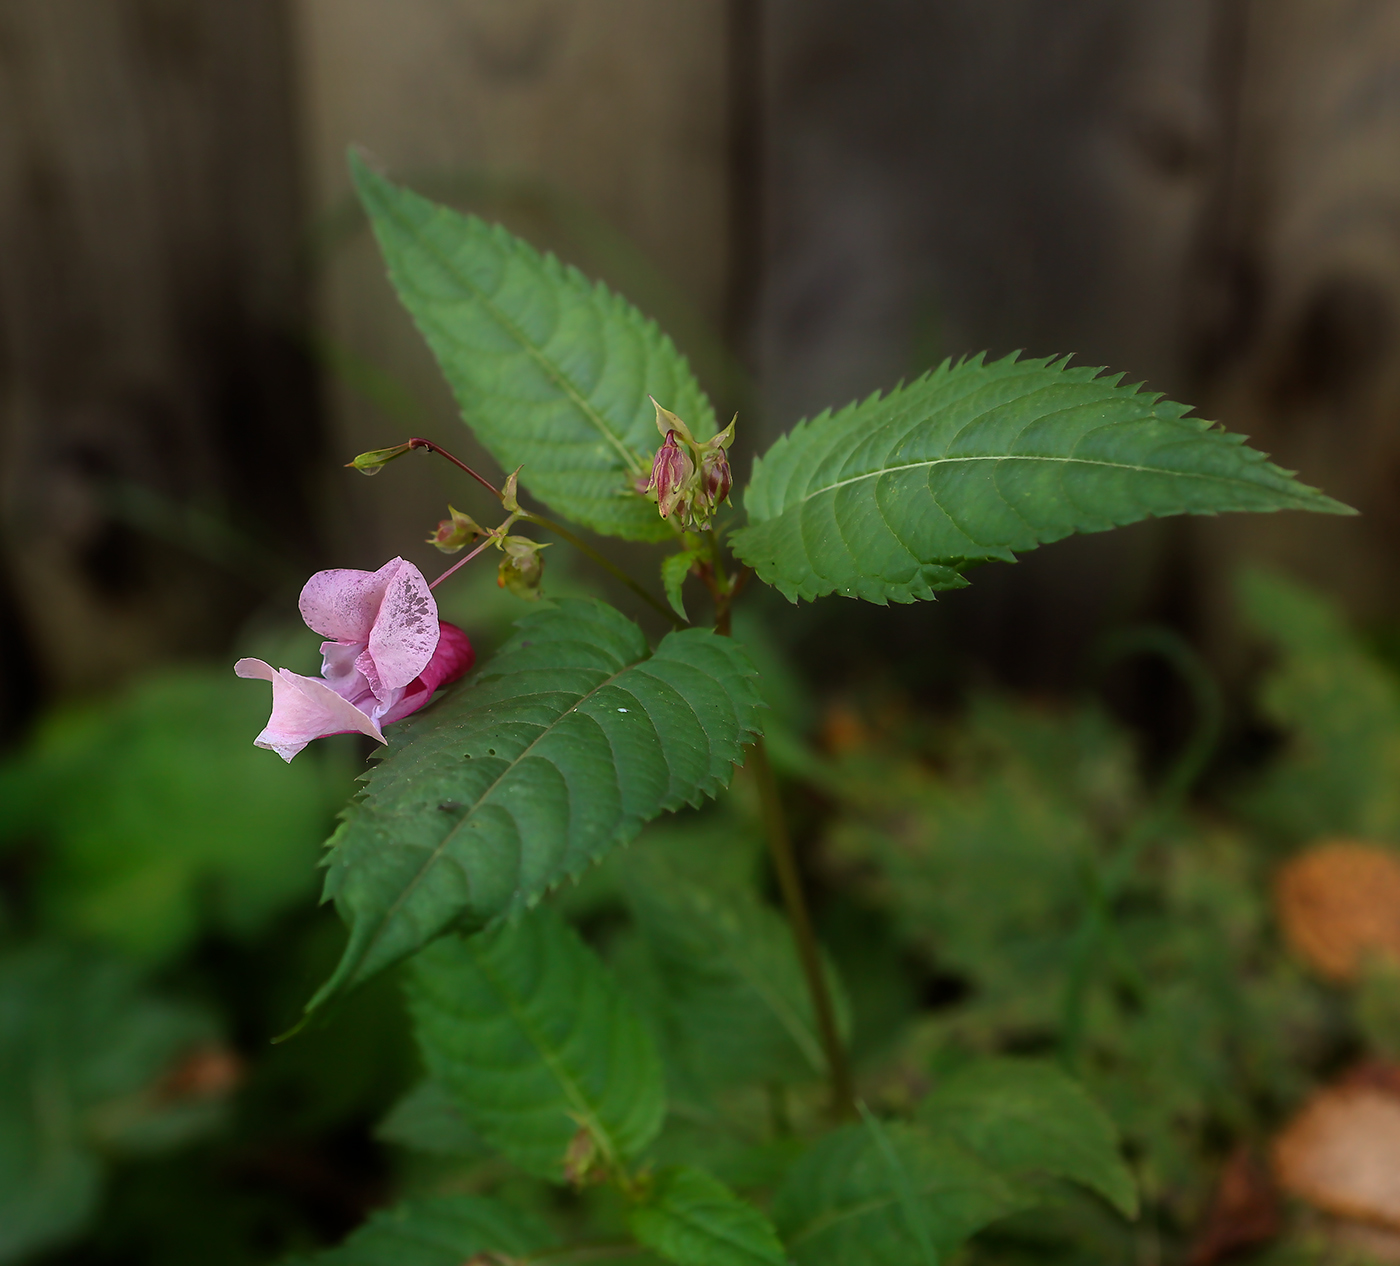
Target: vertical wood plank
{"points": [[987, 174], [1305, 354], [149, 314]]}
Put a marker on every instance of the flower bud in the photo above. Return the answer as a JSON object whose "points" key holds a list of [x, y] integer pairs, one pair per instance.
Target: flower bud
{"points": [[716, 479], [375, 460], [454, 533], [521, 568], [581, 1159], [671, 473]]}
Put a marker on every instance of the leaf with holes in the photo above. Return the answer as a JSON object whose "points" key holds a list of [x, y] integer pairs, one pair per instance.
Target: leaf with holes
{"points": [[847, 1202], [893, 498], [531, 1037], [1025, 1117], [552, 371], [558, 750], [437, 1231], [693, 1219]]}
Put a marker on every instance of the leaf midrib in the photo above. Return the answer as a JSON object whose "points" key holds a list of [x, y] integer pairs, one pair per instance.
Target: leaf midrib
{"points": [[586, 1115], [556, 375], [829, 1218], [436, 855], [1004, 457], [722, 1232]]}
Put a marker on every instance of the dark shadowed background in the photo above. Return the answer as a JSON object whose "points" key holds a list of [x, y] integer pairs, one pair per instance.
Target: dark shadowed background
{"points": [[818, 198]]}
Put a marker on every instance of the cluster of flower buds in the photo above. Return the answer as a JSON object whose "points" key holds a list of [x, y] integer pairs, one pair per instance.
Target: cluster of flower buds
{"points": [[457, 532], [689, 478], [521, 568]]}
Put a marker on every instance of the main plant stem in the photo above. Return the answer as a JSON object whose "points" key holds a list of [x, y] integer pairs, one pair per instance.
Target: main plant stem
{"points": [[724, 591], [843, 1096]]}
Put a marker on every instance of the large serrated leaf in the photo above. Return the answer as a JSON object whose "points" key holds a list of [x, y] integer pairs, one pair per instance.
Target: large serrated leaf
{"points": [[1023, 1116], [737, 1004], [693, 1219], [530, 1035], [437, 1231], [847, 1202], [552, 371], [558, 750], [891, 499]]}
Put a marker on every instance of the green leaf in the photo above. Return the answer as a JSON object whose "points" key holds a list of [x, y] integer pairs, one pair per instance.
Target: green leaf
{"points": [[1023, 1117], [846, 1202], [1340, 706], [427, 1120], [674, 569], [437, 1231], [81, 1049], [555, 752], [893, 498], [162, 818], [915, 1218], [737, 1004], [528, 1032], [693, 1219], [552, 371]]}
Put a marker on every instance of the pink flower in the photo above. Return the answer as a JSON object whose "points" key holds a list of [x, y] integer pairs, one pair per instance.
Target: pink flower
{"points": [[387, 654]]}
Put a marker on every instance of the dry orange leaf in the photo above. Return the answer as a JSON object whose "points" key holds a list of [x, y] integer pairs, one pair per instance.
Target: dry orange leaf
{"points": [[1341, 1153], [1340, 902]]}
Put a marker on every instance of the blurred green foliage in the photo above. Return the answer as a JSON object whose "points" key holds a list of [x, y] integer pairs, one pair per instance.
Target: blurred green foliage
{"points": [[161, 820], [158, 882]]}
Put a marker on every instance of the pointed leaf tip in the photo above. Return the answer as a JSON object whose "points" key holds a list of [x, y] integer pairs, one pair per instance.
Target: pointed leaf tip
{"points": [[895, 497]]}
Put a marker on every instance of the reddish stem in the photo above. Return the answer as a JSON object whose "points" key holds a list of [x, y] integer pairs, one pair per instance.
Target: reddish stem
{"points": [[418, 442], [461, 562]]}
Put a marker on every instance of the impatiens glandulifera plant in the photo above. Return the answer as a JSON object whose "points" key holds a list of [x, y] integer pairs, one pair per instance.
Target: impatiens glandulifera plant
{"points": [[578, 732]]}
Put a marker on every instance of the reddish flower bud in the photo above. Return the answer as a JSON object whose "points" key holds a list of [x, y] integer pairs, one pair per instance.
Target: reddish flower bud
{"points": [[671, 473], [454, 533], [715, 477], [581, 1159]]}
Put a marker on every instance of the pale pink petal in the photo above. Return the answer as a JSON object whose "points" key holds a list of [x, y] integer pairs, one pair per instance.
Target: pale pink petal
{"points": [[342, 603], [338, 667], [303, 709], [452, 659], [405, 632], [368, 672]]}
